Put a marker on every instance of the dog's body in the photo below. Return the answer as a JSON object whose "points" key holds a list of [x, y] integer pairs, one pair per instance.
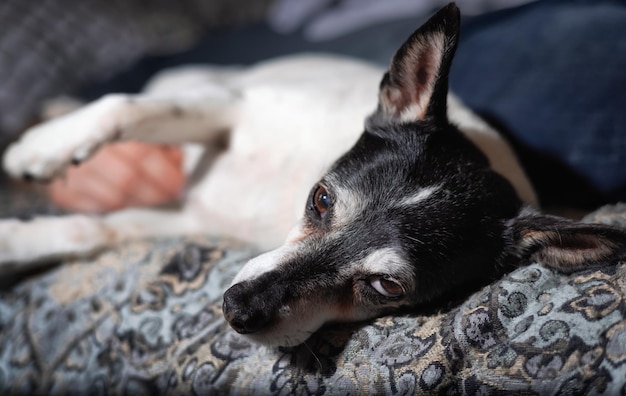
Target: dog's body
{"points": [[286, 122], [413, 210]]}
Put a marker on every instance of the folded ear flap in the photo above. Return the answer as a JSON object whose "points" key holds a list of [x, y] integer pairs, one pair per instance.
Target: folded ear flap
{"points": [[564, 245], [416, 85]]}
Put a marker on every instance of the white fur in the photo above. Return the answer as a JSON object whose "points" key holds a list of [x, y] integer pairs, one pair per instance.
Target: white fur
{"points": [[288, 120], [422, 195], [348, 206], [387, 261], [262, 264], [70, 234]]}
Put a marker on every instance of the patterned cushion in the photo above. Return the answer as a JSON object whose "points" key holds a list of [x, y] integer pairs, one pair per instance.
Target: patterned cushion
{"points": [[145, 318]]}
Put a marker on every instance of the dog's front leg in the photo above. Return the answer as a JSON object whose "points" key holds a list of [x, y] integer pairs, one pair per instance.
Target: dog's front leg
{"points": [[46, 149], [28, 244]]}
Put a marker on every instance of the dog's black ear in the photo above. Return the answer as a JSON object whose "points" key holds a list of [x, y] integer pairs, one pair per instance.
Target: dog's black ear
{"points": [[564, 245], [416, 85]]}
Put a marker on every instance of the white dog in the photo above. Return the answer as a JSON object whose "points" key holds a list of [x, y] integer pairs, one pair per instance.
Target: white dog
{"points": [[284, 122], [428, 200]]}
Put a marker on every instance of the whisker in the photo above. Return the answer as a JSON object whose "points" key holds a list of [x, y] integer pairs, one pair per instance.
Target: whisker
{"points": [[415, 239], [314, 355]]}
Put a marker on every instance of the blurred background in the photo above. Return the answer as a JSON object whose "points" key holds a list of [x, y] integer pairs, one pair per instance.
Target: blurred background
{"points": [[550, 74]]}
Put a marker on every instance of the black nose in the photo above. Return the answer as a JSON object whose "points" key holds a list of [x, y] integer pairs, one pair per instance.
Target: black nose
{"points": [[244, 310]]}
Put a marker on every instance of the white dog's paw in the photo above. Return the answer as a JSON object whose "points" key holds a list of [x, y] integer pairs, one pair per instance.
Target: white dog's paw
{"points": [[24, 244], [47, 149]]}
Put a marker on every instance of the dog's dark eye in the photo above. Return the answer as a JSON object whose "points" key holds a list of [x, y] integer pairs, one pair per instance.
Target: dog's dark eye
{"points": [[386, 286], [321, 201]]}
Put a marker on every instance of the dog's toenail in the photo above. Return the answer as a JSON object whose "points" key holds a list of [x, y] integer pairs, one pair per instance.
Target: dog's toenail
{"points": [[29, 177], [76, 161]]}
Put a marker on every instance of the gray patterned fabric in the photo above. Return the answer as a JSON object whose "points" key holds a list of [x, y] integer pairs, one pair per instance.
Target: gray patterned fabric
{"points": [[145, 318], [51, 47]]}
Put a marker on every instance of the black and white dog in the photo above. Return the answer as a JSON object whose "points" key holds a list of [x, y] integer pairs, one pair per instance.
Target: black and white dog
{"points": [[428, 200]]}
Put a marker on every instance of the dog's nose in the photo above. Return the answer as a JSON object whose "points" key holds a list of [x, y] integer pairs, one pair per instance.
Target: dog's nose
{"points": [[243, 324], [242, 312]]}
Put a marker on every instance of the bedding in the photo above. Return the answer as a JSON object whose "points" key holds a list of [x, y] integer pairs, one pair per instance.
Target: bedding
{"points": [[145, 318]]}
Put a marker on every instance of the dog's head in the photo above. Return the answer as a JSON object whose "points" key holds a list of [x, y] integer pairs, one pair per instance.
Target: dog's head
{"points": [[411, 212]]}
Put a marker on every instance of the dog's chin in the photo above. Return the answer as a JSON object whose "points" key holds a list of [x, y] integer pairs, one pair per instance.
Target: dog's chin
{"points": [[294, 330], [294, 325], [274, 339]]}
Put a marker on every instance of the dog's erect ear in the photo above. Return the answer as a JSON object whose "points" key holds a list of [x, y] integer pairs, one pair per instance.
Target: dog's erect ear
{"points": [[564, 245], [416, 85]]}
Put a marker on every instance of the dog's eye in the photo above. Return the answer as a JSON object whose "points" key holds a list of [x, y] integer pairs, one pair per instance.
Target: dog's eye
{"points": [[387, 287], [321, 201]]}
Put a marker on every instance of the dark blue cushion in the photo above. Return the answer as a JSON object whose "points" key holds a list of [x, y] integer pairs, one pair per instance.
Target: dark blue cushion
{"points": [[553, 74]]}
